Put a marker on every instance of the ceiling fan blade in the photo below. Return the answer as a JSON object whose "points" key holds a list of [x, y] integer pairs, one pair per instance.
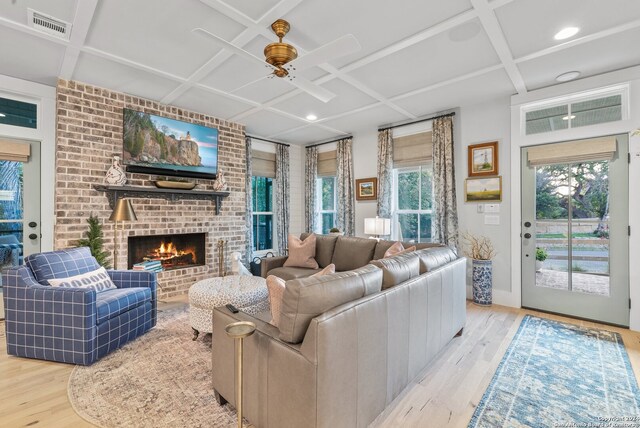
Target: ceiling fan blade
{"points": [[312, 89], [339, 47], [252, 82], [229, 46]]}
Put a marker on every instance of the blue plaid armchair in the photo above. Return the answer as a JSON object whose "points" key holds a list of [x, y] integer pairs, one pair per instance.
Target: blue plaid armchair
{"points": [[73, 325]]}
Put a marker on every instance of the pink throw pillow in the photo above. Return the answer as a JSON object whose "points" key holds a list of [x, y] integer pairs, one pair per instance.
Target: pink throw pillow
{"points": [[329, 269], [406, 250], [394, 249], [302, 253], [276, 287]]}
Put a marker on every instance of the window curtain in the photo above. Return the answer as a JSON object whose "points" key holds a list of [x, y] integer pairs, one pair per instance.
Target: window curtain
{"points": [[248, 204], [385, 171], [311, 174], [346, 193], [445, 220], [282, 197]]}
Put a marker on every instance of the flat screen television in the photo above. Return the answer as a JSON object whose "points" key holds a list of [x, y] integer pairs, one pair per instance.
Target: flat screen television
{"points": [[158, 145]]}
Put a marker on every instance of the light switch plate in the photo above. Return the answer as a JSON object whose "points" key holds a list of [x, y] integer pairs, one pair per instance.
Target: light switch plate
{"points": [[492, 219], [492, 208]]}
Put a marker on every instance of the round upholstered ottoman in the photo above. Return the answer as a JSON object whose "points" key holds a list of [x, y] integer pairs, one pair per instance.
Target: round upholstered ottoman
{"points": [[247, 293]]}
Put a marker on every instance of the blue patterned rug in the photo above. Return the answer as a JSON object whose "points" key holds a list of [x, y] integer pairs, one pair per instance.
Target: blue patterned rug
{"points": [[560, 375]]}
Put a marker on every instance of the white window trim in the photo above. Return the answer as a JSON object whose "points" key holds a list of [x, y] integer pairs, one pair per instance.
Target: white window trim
{"points": [[395, 226], [254, 214], [319, 210], [622, 90]]}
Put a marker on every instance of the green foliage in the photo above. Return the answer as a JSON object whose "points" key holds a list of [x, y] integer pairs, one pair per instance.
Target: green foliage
{"points": [[95, 241], [334, 230], [541, 254]]}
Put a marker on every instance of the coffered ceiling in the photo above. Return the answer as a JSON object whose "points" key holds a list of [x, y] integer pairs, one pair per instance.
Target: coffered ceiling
{"points": [[417, 56]]}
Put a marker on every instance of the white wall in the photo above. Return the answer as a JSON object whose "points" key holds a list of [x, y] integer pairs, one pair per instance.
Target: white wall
{"points": [[365, 165], [481, 123], [296, 186]]}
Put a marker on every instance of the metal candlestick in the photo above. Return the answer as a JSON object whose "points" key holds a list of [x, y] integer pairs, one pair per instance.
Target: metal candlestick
{"points": [[238, 331]]}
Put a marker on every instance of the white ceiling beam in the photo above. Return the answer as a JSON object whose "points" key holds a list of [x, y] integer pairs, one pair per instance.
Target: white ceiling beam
{"points": [[579, 41], [496, 36], [85, 10]]}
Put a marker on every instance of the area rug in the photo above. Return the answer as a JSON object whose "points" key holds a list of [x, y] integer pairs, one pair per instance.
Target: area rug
{"points": [[561, 375], [161, 379]]}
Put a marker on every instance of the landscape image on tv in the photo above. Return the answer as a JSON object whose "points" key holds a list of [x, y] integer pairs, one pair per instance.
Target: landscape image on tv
{"points": [[160, 143]]}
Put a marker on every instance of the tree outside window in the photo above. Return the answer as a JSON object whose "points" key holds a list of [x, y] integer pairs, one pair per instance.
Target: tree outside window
{"points": [[326, 205], [262, 188], [413, 203]]}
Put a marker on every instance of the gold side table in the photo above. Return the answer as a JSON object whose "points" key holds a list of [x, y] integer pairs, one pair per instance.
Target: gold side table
{"points": [[238, 331]]}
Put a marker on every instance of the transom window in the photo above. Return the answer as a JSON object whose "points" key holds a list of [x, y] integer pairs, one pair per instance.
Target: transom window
{"points": [[326, 204], [413, 203], [262, 188]]}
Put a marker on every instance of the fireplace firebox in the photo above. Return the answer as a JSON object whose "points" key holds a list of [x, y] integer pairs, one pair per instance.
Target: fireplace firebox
{"points": [[172, 251]]}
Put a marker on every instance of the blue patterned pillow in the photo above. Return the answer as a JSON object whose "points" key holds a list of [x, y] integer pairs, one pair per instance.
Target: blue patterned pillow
{"points": [[98, 280]]}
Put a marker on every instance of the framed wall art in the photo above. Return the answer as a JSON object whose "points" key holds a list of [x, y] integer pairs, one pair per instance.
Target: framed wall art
{"points": [[367, 189], [483, 189], [483, 159]]}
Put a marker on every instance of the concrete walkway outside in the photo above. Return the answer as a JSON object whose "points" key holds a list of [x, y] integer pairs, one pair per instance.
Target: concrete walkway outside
{"points": [[582, 282]]}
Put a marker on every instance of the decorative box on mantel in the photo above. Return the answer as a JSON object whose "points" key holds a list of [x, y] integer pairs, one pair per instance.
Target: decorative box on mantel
{"points": [[115, 192]]}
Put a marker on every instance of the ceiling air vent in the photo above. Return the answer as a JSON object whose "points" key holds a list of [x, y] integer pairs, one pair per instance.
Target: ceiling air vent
{"points": [[48, 24]]}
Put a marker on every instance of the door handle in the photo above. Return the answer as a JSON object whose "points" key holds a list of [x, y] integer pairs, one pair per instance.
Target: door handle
{"points": [[33, 224], [527, 235], [33, 236]]}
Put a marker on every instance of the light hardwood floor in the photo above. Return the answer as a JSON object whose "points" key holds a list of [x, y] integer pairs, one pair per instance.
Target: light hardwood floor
{"points": [[34, 393]]}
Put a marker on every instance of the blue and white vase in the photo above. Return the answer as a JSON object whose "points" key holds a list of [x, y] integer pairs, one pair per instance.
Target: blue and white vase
{"points": [[482, 282]]}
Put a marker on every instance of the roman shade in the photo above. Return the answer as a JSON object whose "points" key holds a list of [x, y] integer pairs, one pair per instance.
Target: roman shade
{"points": [[13, 150], [263, 164], [328, 164], [412, 150], [594, 149]]}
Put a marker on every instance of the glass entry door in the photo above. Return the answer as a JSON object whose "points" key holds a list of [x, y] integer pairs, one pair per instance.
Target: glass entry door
{"points": [[19, 208], [575, 236]]}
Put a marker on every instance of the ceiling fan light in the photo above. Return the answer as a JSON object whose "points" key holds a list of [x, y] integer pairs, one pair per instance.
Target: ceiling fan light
{"points": [[565, 33], [565, 77]]}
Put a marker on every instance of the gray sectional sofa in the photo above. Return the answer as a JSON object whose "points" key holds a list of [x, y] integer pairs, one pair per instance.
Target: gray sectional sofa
{"points": [[348, 343], [346, 252]]}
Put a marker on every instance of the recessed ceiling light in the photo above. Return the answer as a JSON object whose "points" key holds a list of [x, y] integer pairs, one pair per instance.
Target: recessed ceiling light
{"points": [[565, 33], [311, 117], [565, 77], [573, 116]]}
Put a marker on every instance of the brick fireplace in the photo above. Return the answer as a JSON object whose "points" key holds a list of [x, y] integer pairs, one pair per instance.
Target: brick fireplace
{"points": [[89, 133]]}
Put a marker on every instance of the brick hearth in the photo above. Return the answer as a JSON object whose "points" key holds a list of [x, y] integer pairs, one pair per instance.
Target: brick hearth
{"points": [[89, 133]]}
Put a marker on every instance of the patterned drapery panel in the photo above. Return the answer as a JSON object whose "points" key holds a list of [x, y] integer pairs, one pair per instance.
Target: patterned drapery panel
{"points": [[311, 174], [346, 193], [282, 197], [445, 221], [385, 172], [249, 206]]}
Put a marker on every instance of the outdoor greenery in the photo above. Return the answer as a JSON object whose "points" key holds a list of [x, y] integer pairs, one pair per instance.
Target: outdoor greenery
{"points": [[414, 203], [328, 204], [541, 254], [94, 239], [11, 179], [334, 230]]}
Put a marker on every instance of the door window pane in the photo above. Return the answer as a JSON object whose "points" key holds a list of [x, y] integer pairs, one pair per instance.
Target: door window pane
{"points": [[18, 113], [11, 214]]}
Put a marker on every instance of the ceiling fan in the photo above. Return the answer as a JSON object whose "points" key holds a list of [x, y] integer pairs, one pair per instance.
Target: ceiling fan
{"points": [[283, 58]]}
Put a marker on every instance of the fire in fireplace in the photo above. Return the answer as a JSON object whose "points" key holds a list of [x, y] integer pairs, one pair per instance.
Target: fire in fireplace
{"points": [[172, 251]]}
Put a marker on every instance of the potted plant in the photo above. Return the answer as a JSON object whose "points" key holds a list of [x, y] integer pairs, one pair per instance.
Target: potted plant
{"points": [[541, 256], [335, 231], [480, 250]]}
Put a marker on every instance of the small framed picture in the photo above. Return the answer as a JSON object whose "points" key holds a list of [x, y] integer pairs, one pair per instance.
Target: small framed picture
{"points": [[483, 189], [483, 159], [367, 189]]}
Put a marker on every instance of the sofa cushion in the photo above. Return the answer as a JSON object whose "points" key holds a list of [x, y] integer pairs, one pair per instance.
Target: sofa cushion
{"points": [[398, 269], [433, 258], [383, 245], [325, 245], [288, 273], [306, 298], [97, 280], [302, 253], [276, 287], [352, 253], [112, 303], [61, 264]]}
